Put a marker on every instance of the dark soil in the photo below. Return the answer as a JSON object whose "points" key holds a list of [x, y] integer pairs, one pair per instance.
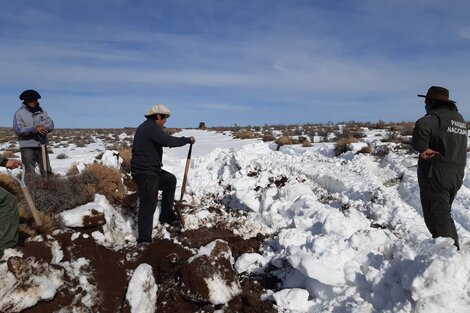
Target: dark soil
{"points": [[111, 271]]}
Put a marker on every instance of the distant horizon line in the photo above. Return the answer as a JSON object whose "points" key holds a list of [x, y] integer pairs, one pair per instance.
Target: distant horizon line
{"points": [[235, 125]]}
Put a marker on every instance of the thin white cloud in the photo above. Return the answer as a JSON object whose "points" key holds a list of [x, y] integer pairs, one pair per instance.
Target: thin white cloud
{"points": [[225, 107], [465, 33], [301, 53]]}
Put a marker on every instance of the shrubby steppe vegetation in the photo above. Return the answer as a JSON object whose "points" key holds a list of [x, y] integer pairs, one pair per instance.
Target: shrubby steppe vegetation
{"points": [[83, 180], [78, 188]]}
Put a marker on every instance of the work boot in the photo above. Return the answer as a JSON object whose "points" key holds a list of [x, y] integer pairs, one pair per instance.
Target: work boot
{"points": [[175, 225]]}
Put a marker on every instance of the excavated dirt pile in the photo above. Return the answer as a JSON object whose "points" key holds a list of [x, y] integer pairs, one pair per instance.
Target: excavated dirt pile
{"points": [[186, 266]]}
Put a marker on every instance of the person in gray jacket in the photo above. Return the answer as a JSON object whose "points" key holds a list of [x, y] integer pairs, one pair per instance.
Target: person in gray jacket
{"points": [[440, 137], [32, 124], [146, 168], [9, 215]]}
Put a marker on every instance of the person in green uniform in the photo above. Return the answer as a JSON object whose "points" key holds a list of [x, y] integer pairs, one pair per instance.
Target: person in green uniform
{"points": [[440, 137], [9, 215]]}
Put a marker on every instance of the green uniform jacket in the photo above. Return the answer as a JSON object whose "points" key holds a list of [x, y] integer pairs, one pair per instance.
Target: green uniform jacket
{"points": [[443, 130]]}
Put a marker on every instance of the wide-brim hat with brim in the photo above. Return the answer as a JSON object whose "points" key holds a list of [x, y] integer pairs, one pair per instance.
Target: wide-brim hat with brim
{"points": [[438, 93]]}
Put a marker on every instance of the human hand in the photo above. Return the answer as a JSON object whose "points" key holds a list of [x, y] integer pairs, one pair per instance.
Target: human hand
{"points": [[192, 139], [41, 129], [428, 154], [12, 163]]}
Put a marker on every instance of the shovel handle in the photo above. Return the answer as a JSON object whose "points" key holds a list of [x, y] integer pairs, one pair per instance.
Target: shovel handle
{"points": [[44, 159], [31, 206], [186, 169]]}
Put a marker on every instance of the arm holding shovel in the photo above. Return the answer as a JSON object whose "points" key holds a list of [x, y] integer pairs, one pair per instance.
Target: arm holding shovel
{"points": [[28, 198]]}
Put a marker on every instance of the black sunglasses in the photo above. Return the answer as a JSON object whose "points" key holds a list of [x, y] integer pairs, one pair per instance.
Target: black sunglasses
{"points": [[163, 116]]}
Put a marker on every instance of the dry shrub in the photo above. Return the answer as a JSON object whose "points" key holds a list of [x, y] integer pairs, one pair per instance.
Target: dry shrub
{"points": [[342, 145], [365, 150], [126, 155], [244, 134], [268, 137], [9, 154], [301, 139], [395, 128], [391, 136], [407, 129], [381, 151], [284, 140], [73, 170], [171, 131], [107, 181], [56, 194], [49, 222], [62, 156], [306, 143]]}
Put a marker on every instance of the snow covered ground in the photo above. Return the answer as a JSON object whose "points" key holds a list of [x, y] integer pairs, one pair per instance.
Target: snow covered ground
{"points": [[346, 233]]}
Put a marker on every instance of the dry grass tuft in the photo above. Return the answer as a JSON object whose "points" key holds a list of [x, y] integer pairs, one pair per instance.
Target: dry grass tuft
{"points": [[342, 145], [381, 151], [126, 155], [49, 223], [106, 181], [56, 194], [9, 154], [244, 134], [268, 137], [284, 140], [365, 150], [62, 156], [73, 170]]}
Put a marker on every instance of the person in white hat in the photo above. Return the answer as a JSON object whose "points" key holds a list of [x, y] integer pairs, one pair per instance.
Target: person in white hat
{"points": [[147, 172]]}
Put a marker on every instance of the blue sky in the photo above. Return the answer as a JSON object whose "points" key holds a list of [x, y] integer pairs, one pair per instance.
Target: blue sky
{"points": [[104, 63]]}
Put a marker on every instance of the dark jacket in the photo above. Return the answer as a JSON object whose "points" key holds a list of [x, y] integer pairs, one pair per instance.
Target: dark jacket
{"points": [[147, 149], [444, 130], [25, 122]]}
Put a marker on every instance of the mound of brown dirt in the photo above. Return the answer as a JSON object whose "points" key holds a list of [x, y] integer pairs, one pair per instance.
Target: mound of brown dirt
{"points": [[110, 271]]}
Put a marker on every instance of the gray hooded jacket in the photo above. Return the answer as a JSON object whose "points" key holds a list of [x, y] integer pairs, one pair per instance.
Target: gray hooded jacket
{"points": [[25, 122]]}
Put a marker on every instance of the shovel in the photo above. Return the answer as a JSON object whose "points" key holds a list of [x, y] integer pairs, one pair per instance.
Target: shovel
{"points": [[29, 201], [179, 204], [44, 155]]}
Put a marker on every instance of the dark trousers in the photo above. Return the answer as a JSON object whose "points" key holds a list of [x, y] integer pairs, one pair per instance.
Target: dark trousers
{"points": [[31, 156], [438, 188], [148, 195]]}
